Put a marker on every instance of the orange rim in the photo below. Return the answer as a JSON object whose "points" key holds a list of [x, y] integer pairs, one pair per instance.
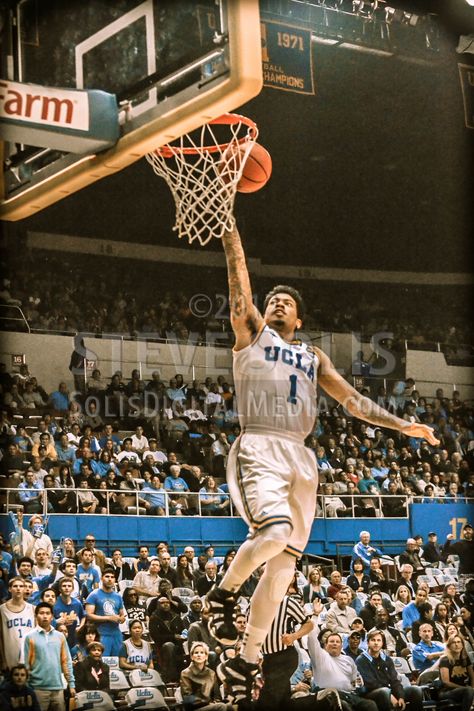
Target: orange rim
{"points": [[168, 151]]}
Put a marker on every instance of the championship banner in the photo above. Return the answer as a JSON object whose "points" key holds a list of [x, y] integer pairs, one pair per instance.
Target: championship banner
{"points": [[286, 57], [466, 75]]}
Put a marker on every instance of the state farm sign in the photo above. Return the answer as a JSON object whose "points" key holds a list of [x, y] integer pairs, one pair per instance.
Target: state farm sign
{"points": [[66, 108]]}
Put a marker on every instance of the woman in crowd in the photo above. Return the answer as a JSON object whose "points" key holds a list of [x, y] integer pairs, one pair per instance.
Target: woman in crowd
{"points": [[109, 447], [450, 595], [358, 580], [314, 589], [198, 682], [136, 652], [69, 549], [85, 635], [105, 498], [228, 558], [465, 622], [214, 501], [64, 479], [426, 617], [441, 617], [92, 674], [105, 464], [456, 674], [66, 498], [453, 611], [185, 577], [402, 598], [134, 609]]}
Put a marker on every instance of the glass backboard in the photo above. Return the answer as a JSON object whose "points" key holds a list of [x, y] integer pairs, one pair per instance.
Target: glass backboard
{"points": [[172, 65]]}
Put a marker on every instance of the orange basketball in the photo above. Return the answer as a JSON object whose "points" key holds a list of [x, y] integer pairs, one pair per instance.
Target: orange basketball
{"points": [[257, 168]]}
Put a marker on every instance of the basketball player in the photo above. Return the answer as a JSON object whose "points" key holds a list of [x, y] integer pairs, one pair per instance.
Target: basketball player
{"points": [[272, 476], [17, 619]]}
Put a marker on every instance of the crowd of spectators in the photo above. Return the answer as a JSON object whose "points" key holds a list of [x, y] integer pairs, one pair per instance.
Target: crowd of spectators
{"points": [[90, 613], [68, 296], [129, 446]]}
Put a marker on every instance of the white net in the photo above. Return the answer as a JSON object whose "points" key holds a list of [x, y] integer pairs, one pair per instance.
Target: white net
{"points": [[203, 173]]}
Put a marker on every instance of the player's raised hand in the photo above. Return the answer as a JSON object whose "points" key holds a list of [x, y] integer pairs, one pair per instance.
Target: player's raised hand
{"points": [[415, 429]]}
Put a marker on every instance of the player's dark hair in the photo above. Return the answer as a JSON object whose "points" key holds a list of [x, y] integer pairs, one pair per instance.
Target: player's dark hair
{"points": [[285, 289]]}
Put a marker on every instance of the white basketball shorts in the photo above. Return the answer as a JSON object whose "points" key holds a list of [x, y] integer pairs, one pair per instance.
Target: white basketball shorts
{"points": [[273, 479]]}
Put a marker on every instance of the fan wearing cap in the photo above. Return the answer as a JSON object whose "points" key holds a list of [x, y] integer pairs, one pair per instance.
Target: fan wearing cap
{"points": [[92, 674], [432, 549], [352, 644]]}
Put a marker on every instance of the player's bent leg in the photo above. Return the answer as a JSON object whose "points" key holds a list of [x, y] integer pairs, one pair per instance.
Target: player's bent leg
{"points": [[268, 594], [264, 546], [221, 601], [239, 675]]}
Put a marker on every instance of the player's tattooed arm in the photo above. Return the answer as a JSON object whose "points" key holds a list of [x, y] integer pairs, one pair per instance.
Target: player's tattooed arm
{"points": [[245, 318], [363, 407]]}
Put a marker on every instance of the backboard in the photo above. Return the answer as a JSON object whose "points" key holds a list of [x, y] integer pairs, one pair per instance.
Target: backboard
{"points": [[173, 65]]}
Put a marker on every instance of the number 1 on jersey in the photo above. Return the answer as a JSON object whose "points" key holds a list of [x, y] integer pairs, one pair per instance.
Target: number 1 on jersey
{"points": [[293, 383]]}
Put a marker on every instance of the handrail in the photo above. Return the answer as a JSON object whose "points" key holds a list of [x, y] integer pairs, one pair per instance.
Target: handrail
{"points": [[15, 307], [12, 498]]}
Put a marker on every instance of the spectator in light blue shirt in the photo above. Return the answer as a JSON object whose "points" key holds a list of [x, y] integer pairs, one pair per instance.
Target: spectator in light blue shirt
{"points": [[364, 551], [367, 481], [379, 470], [47, 657], [30, 493], [426, 652], [154, 496], [176, 485], [65, 451], [411, 613]]}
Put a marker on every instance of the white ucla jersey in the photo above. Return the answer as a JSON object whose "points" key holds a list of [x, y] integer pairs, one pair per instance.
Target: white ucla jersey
{"points": [[138, 655], [275, 384], [15, 627]]}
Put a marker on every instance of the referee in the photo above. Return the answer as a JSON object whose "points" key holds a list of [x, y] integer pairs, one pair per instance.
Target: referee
{"points": [[280, 656]]}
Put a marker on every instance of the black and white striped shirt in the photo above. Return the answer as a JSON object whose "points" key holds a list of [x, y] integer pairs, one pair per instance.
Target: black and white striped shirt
{"points": [[290, 614]]}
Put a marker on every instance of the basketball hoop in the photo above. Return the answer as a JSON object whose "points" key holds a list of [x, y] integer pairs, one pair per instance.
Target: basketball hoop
{"points": [[203, 172]]}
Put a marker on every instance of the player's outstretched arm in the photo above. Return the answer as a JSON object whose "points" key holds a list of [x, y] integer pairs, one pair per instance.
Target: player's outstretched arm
{"points": [[245, 318], [362, 407]]}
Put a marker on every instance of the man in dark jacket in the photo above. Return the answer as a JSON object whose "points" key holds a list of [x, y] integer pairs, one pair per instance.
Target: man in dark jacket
{"points": [[369, 610], [432, 550], [92, 673], [463, 548], [166, 630], [381, 681], [411, 555]]}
